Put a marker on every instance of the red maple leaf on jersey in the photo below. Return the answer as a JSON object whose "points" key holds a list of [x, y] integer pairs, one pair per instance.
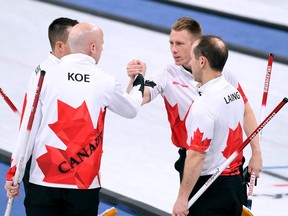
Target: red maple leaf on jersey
{"points": [[197, 143], [79, 163], [179, 132], [234, 140]]}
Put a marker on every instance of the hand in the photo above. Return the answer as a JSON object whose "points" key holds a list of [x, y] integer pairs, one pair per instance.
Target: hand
{"points": [[135, 67], [255, 164], [12, 191], [180, 208]]}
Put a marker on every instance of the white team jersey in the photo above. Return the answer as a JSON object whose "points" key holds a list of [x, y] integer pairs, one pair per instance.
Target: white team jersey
{"points": [[178, 88], [214, 125], [46, 65], [69, 122]]}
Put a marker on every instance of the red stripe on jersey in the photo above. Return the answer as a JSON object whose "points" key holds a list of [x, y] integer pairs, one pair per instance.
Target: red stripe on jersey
{"points": [[239, 88]]}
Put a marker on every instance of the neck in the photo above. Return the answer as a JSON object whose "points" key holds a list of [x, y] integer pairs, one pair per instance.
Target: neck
{"points": [[57, 55], [187, 69], [210, 76]]}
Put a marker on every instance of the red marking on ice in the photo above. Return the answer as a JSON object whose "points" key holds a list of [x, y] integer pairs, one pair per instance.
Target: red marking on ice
{"points": [[280, 185]]}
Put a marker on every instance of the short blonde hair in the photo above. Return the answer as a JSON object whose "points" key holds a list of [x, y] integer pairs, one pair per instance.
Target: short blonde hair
{"points": [[188, 24]]}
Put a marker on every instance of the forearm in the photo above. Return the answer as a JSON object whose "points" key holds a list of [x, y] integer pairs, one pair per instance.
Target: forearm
{"points": [[130, 85], [146, 96], [250, 124], [193, 167], [124, 104]]}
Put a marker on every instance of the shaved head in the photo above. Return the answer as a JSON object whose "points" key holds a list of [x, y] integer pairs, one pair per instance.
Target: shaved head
{"points": [[86, 38]]}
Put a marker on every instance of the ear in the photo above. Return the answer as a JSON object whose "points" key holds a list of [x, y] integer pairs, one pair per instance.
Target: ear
{"points": [[59, 45], [203, 61], [93, 48]]}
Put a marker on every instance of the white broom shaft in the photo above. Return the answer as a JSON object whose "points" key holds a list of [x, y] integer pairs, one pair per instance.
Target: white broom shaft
{"points": [[212, 179], [23, 143], [236, 152], [18, 171]]}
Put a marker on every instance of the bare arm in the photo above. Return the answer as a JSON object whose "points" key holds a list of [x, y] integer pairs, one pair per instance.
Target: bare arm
{"points": [[250, 124], [192, 170]]}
